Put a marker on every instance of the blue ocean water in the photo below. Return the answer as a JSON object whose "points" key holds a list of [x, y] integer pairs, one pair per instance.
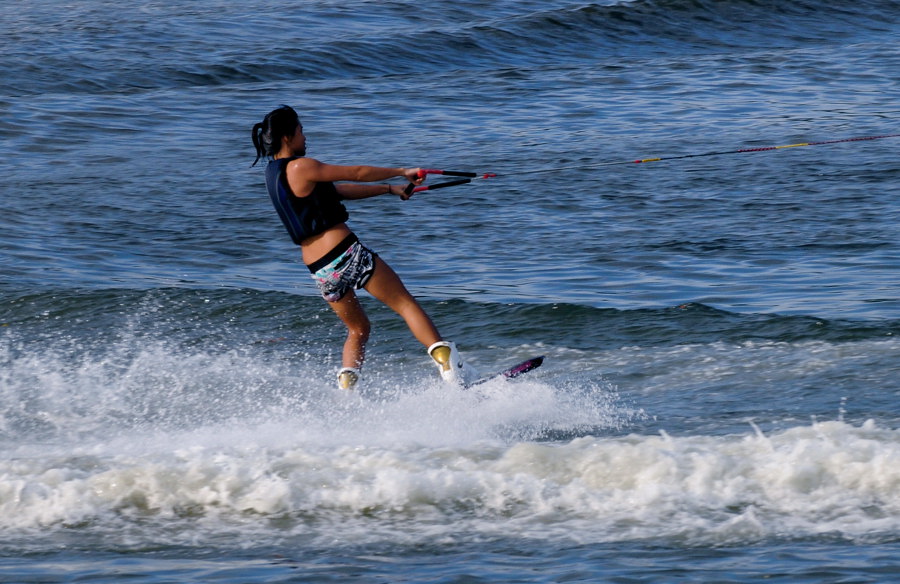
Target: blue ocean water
{"points": [[719, 400]]}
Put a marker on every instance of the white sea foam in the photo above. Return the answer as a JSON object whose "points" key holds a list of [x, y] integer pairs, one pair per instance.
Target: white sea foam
{"points": [[196, 446], [827, 478]]}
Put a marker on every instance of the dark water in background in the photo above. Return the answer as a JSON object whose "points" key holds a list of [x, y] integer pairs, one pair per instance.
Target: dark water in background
{"points": [[719, 401]]}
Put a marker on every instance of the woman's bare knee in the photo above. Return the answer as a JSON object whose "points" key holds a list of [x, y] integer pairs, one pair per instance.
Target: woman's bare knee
{"points": [[360, 330]]}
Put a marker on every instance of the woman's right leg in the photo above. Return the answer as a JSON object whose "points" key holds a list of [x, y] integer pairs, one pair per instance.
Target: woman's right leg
{"points": [[351, 313]]}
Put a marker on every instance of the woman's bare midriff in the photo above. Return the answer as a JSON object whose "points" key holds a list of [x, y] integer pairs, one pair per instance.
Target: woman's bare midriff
{"points": [[317, 246]]}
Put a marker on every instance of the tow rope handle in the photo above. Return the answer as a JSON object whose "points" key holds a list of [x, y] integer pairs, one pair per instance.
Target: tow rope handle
{"points": [[423, 172]]}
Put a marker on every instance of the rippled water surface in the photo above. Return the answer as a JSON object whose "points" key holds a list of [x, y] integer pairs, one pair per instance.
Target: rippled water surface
{"points": [[719, 398]]}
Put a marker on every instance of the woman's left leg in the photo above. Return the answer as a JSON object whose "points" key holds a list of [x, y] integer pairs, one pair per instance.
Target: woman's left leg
{"points": [[386, 286]]}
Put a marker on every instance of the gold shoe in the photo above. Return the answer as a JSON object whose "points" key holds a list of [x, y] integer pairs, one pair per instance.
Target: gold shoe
{"points": [[453, 369], [347, 377]]}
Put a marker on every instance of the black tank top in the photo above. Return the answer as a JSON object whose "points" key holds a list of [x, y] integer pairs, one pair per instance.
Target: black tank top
{"points": [[303, 216]]}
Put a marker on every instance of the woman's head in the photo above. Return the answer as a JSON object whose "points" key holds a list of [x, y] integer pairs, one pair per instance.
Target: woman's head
{"points": [[277, 125]]}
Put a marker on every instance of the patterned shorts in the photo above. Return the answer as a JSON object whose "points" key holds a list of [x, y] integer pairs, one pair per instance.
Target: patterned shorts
{"points": [[349, 265]]}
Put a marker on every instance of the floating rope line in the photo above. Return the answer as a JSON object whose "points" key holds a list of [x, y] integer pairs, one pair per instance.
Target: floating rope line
{"points": [[766, 148], [714, 153], [470, 176]]}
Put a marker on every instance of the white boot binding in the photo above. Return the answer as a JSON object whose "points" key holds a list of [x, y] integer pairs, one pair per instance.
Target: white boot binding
{"points": [[451, 366]]}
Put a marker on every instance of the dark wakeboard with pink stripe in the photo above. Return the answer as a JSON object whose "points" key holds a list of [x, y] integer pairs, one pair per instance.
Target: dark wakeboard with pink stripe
{"points": [[512, 372]]}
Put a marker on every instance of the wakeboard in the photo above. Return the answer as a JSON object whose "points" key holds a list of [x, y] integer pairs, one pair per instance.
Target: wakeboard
{"points": [[511, 372]]}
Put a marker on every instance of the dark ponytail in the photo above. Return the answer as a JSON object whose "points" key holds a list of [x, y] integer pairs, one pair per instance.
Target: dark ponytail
{"points": [[276, 125]]}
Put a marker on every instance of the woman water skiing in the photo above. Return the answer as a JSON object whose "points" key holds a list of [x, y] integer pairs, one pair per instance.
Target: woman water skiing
{"points": [[308, 202]]}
